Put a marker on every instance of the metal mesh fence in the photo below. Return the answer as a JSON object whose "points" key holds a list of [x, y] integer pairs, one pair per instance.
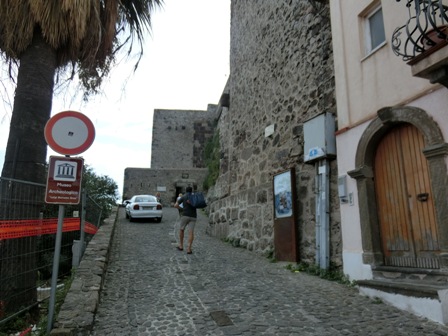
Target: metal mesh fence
{"points": [[27, 242]]}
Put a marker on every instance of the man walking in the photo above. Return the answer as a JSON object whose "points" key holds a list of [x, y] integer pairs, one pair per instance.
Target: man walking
{"points": [[188, 218]]}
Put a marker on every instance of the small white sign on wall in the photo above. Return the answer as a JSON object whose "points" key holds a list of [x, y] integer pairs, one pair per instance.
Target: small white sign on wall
{"points": [[268, 131], [314, 153], [161, 188]]}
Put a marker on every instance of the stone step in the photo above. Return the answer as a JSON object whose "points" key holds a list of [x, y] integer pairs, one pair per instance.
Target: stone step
{"points": [[405, 287], [430, 276]]}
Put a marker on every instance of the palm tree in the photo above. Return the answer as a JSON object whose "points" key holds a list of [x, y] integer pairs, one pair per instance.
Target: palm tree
{"points": [[46, 38]]}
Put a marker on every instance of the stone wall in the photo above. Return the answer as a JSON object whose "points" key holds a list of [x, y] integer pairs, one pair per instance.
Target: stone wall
{"points": [[77, 313], [281, 66], [179, 137], [177, 154], [149, 181]]}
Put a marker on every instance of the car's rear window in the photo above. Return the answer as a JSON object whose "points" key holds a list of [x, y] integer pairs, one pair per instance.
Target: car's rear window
{"points": [[146, 199]]}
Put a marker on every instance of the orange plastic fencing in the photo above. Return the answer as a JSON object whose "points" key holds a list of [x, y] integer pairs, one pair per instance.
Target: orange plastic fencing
{"points": [[10, 229]]}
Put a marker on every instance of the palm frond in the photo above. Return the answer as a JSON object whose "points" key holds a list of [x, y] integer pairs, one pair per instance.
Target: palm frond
{"points": [[82, 32], [16, 27]]}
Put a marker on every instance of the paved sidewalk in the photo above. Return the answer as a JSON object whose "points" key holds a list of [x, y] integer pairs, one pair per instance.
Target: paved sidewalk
{"points": [[151, 288]]}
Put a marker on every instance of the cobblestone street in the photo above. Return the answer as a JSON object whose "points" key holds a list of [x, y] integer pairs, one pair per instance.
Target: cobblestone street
{"points": [[151, 288]]}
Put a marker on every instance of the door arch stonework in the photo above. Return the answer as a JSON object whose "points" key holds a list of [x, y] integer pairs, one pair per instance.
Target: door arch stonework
{"points": [[435, 151]]}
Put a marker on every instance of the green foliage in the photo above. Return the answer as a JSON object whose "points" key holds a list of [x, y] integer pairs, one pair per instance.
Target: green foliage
{"points": [[377, 300], [332, 274], [102, 193], [46, 256], [271, 256], [61, 293], [14, 325], [25, 320], [212, 158], [101, 189], [91, 77], [235, 242]]}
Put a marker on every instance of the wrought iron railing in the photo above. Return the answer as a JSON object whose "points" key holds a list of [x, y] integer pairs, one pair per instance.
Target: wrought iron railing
{"points": [[425, 31]]}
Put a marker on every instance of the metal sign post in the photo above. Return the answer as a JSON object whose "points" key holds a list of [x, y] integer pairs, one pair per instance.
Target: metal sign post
{"points": [[67, 133], [54, 275]]}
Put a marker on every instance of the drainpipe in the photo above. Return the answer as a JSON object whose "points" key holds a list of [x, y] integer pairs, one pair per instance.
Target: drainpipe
{"points": [[317, 184], [322, 214]]}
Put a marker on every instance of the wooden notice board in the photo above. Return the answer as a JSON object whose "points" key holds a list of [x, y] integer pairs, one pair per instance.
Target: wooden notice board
{"points": [[285, 216]]}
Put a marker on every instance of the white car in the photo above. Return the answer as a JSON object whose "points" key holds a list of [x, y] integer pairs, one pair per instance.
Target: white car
{"points": [[144, 206]]}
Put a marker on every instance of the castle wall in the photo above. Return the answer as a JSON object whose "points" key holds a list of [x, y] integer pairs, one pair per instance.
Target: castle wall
{"points": [[179, 137], [281, 66], [166, 181], [177, 157]]}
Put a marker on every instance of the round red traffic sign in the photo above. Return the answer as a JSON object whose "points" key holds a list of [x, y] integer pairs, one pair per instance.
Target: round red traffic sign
{"points": [[69, 133]]}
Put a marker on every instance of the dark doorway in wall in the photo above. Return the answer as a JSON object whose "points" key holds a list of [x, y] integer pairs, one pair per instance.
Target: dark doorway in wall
{"points": [[178, 191]]}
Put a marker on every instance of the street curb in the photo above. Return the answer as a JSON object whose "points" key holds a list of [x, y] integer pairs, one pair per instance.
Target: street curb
{"points": [[77, 313]]}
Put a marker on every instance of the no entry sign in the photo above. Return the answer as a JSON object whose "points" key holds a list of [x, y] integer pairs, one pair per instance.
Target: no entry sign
{"points": [[64, 180], [69, 133]]}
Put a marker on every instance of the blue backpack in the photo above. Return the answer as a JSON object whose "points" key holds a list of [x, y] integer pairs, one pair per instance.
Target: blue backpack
{"points": [[197, 200]]}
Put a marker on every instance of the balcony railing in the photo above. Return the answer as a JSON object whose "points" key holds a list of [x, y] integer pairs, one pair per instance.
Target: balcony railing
{"points": [[425, 31]]}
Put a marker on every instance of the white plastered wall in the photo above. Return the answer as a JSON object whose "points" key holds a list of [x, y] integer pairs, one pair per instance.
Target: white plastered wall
{"points": [[347, 143], [365, 84], [436, 105]]}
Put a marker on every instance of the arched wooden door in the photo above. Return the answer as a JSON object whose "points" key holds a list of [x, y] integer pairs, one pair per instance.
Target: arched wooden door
{"points": [[406, 213]]}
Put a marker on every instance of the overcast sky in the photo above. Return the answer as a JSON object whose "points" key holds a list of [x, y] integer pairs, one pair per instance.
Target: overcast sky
{"points": [[185, 66]]}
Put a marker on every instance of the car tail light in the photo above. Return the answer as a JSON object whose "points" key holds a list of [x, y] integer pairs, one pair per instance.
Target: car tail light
{"points": [[136, 207], [159, 206]]}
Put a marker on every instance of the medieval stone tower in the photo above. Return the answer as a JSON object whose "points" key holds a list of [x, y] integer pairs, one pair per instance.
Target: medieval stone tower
{"points": [[177, 157]]}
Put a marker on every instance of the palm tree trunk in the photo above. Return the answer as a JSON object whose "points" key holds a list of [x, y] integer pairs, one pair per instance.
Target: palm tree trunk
{"points": [[26, 149], [25, 159]]}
